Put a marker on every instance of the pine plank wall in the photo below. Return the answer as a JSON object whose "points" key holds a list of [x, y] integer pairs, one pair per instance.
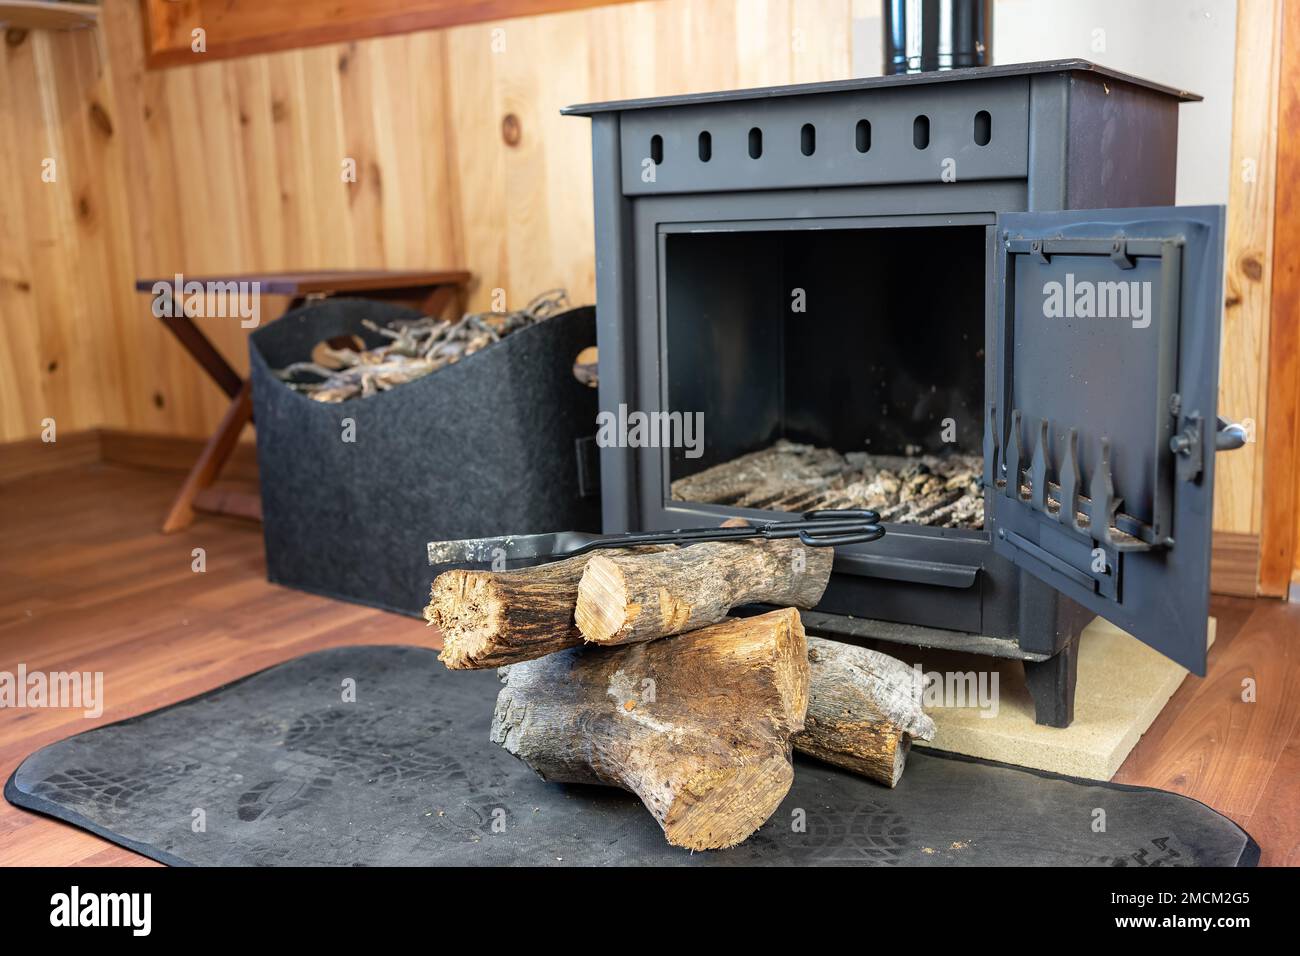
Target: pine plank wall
{"points": [[235, 165]]}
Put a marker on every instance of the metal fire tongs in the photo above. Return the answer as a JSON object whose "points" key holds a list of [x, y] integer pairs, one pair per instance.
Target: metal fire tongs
{"points": [[816, 529]]}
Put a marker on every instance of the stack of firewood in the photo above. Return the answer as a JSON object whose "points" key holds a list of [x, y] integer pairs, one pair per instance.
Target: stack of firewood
{"points": [[622, 668], [343, 368], [943, 491]]}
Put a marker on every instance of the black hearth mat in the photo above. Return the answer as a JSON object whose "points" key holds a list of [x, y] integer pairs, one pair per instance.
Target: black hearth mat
{"points": [[276, 769]]}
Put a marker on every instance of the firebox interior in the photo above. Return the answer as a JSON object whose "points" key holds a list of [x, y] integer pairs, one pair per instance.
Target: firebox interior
{"points": [[858, 340]]}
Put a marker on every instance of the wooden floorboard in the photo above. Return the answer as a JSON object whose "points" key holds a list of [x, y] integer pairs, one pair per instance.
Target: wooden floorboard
{"points": [[1235, 754], [88, 582]]}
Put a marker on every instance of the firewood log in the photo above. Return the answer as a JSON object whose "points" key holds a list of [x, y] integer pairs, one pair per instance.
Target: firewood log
{"points": [[864, 708], [586, 367], [492, 618], [697, 726], [630, 598]]}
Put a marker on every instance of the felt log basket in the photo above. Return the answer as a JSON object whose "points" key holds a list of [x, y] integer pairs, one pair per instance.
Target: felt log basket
{"points": [[502, 441]]}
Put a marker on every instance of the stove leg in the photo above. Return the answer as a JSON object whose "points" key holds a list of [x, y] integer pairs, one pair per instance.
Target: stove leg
{"points": [[1051, 685]]}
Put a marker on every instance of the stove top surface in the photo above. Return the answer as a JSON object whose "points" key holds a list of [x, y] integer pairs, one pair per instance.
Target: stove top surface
{"points": [[878, 82]]}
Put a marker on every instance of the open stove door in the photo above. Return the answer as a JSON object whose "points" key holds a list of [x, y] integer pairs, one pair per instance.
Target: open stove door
{"points": [[1101, 432]]}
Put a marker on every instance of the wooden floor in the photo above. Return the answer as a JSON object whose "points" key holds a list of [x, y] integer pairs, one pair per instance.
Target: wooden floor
{"points": [[88, 583]]}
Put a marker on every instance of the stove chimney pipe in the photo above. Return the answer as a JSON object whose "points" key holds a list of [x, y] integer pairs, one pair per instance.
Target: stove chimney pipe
{"points": [[924, 35]]}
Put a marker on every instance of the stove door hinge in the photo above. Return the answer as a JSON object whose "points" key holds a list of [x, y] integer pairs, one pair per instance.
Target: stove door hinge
{"points": [[1119, 254], [1188, 447]]}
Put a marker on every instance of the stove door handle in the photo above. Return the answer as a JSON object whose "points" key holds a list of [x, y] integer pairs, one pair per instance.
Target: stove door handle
{"points": [[841, 514], [1229, 435], [870, 533]]}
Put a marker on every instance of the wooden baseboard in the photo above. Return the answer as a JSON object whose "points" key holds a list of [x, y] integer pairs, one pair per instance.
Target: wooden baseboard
{"points": [[172, 453], [32, 456], [1234, 564]]}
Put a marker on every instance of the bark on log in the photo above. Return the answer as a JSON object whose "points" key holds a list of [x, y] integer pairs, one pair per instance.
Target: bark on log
{"points": [[630, 598], [698, 726], [864, 708]]}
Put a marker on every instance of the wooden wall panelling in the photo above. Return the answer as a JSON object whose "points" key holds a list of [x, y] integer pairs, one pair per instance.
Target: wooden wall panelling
{"points": [[256, 113], [22, 404], [326, 198], [235, 164], [1279, 555], [356, 107], [62, 360], [474, 114], [1243, 378], [164, 393]]}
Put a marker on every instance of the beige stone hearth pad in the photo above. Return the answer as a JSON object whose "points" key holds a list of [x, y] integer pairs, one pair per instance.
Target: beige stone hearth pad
{"points": [[1123, 685]]}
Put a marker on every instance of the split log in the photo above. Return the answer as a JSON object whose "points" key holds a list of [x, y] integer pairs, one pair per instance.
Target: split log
{"points": [[864, 708], [698, 726], [493, 618], [630, 598]]}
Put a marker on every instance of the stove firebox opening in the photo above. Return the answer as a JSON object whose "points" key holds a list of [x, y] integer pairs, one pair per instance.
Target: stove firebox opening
{"points": [[835, 368]]}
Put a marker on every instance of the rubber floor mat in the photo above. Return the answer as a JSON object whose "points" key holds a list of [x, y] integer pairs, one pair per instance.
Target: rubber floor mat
{"points": [[277, 769]]}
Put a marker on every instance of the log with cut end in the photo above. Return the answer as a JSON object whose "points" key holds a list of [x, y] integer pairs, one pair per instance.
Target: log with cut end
{"points": [[630, 598], [864, 709], [697, 726], [493, 618]]}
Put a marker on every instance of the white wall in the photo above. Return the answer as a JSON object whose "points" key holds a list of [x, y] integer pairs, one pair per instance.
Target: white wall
{"points": [[1188, 44]]}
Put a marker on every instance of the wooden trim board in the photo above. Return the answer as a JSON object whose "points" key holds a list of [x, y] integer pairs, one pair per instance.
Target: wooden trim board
{"points": [[1280, 526], [172, 453], [31, 456], [1248, 264], [47, 14], [243, 27], [1234, 563]]}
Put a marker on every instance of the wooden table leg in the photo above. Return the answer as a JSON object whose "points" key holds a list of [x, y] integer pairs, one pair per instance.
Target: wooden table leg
{"points": [[204, 352], [444, 295], [211, 459]]}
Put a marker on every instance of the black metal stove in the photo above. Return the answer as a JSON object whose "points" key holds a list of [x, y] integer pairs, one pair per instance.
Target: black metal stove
{"points": [[981, 262]]}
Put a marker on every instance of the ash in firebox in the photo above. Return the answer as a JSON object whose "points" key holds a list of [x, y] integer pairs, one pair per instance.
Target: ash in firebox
{"points": [[942, 491]]}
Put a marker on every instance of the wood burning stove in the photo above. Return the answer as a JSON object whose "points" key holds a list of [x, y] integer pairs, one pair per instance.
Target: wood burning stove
{"points": [[960, 298]]}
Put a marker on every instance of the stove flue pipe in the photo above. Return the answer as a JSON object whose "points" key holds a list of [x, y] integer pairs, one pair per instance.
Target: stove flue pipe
{"points": [[925, 35]]}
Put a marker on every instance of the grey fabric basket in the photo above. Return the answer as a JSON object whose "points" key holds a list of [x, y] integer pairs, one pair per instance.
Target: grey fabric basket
{"points": [[489, 445]]}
